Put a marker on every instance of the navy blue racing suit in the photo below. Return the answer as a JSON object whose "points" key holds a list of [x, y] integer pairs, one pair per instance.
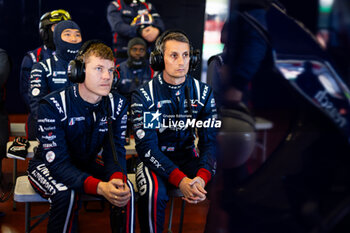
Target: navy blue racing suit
{"points": [[119, 16], [165, 144], [131, 78], [46, 76], [39, 54], [70, 160]]}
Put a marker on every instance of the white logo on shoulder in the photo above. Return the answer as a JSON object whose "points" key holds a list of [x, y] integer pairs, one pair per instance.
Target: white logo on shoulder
{"points": [[140, 133], [145, 94], [50, 156], [148, 154], [75, 119], [56, 104], [35, 91], [205, 92], [120, 104]]}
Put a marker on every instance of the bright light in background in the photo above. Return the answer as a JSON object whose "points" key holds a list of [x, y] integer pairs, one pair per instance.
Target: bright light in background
{"points": [[216, 7], [326, 2], [216, 12], [326, 5]]}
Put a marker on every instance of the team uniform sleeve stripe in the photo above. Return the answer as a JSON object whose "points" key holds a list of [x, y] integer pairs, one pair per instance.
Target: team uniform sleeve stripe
{"points": [[69, 212], [155, 200], [63, 97], [150, 84], [130, 210]]}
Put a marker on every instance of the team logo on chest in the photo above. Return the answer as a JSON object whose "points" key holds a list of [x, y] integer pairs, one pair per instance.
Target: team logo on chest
{"points": [[75, 119], [162, 102], [103, 121]]}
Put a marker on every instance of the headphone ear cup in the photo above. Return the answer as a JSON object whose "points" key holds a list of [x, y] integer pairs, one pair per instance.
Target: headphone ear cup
{"points": [[76, 72], [195, 57], [76, 67], [156, 60]]}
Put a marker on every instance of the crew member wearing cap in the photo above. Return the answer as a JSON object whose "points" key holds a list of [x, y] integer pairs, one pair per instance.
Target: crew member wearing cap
{"points": [[136, 70]]}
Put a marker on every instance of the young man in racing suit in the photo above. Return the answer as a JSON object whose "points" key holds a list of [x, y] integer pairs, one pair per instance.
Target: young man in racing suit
{"points": [[73, 129], [161, 110]]}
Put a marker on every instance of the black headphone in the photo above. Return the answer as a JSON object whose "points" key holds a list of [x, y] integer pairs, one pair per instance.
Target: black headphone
{"points": [[156, 58], [76, 67]]}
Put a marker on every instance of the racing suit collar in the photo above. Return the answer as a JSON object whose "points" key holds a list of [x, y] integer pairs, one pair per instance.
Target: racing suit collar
{"points": [[170, 86], [81, 102]]}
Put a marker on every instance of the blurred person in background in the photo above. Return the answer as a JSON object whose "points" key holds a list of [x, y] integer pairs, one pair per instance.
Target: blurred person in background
{"points": [[136, 70], [334, 34], [231, 74], [129, 19]]}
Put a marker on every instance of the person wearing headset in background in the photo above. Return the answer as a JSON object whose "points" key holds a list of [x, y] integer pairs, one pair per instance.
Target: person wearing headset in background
{"points": [[73, 126], [131, 18], [161, 110], [47, 23], [51, 74]]}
